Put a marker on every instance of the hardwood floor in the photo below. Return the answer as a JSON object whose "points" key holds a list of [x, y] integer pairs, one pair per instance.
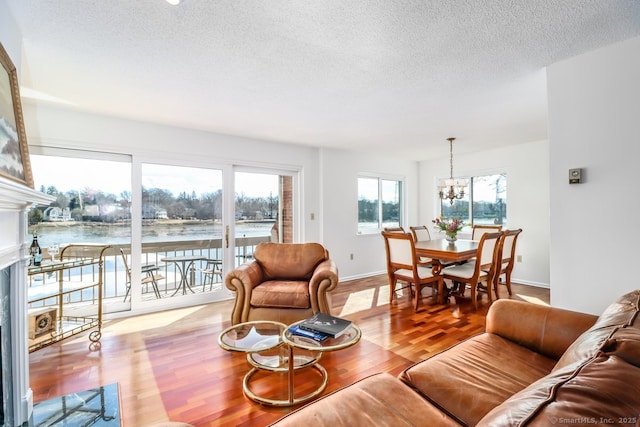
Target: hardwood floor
{"points": [[170, 367]]}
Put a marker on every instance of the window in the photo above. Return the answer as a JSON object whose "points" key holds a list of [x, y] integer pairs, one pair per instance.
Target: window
{"points": [[488, 196], [379, 204]]}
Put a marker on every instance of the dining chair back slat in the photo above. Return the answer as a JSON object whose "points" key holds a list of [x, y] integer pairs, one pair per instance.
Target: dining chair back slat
{"points": [[478, 230], [420, 233]]}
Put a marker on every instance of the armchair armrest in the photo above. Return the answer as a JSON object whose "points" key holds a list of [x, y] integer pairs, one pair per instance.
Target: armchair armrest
{"points": [[546, 330], [323, 281], [242, 280]]}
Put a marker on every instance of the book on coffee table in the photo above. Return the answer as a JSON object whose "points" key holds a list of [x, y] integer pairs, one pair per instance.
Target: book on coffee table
{"points": [[316, 336], [326, 324]]}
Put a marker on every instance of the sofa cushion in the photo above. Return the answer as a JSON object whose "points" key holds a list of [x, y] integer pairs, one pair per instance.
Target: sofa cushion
{"points": [[623, 312], [379, 400], [470, 379], [625, 343], [281, 294], [289, 260], [604, 390]]}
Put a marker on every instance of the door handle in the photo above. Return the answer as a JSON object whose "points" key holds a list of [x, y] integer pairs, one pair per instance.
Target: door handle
{"points": [[226, 237]]}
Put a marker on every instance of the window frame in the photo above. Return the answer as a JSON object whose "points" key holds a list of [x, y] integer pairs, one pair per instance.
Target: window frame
{"points": [[469, 198], [401, 182]]}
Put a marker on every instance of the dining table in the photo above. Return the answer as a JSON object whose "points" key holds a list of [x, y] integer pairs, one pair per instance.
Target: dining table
{"points": [[442, 251]]}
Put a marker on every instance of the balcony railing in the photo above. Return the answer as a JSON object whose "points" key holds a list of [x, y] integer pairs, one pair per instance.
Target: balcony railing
{"points": [[115, 279]]}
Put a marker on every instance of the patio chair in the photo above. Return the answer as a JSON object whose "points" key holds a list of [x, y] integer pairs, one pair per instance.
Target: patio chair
{"points": [[150, 277]]}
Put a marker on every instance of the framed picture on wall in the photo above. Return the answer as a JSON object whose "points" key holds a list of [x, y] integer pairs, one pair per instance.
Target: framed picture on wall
{"points": [[14, 151]]}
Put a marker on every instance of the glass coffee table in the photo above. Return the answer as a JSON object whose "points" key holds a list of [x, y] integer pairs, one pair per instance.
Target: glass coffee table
{"points": [[271, 348]]}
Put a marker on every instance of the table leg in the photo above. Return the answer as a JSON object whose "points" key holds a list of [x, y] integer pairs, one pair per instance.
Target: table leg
{"points": [[289, 369], [290, 375], [182, 268]]}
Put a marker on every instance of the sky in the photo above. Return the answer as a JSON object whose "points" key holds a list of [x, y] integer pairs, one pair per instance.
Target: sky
{"points": [[113, 177]]}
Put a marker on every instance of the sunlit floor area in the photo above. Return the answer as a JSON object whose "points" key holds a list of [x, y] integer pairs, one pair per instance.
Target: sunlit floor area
{"points": [[169, 366]]}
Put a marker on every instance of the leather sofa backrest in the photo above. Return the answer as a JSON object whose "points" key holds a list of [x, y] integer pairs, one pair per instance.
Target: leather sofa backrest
{"points": [[621, 313], [596, 381], [289, 261]]}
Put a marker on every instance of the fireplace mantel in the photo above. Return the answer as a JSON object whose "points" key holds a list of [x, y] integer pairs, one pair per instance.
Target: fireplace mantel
{"points": [[15, 202]]}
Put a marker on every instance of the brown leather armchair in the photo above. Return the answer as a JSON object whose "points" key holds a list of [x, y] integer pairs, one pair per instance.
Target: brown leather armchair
{"points": [[285, 282]]}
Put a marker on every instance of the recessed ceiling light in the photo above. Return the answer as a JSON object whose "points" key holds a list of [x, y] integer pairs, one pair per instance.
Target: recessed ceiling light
{"points": [[173, 2]]}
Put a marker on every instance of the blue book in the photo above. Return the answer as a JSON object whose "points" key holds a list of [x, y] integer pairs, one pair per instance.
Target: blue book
{"points": [[316, 336]]}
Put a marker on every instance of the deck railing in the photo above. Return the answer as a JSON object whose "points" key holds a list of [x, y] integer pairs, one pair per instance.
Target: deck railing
{"points": [[115, 280]]}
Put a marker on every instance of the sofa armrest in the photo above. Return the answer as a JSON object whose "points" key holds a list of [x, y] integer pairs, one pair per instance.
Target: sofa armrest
{"points": [[241, 281], [546, 330], [323, 281]]}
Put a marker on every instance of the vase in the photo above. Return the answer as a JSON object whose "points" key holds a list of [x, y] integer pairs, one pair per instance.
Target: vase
{"points": [[451, 238]]}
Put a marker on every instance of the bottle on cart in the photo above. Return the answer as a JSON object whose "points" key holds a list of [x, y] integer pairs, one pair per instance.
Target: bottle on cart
{"points": [[36, 251]]}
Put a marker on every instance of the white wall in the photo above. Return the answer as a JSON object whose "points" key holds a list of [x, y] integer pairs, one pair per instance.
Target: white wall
{"points": [[329, 176], [48, 125], [594, 123], [527, 168], [340, 171], [10, 36]]}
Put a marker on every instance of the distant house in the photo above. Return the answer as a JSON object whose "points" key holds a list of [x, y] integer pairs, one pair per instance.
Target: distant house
{"points": [[56, 214]]}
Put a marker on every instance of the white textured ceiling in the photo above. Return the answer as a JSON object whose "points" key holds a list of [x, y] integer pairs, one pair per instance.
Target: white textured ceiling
{"points": [[385, 76]]}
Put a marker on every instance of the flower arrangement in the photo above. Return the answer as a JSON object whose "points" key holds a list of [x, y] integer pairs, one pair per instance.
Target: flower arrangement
{"points": [[450, 226]]}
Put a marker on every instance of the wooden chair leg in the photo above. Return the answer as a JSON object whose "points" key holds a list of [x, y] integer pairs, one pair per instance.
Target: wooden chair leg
{"points": [[507, 281], [392, 290], [490, 290], [474, 290]]}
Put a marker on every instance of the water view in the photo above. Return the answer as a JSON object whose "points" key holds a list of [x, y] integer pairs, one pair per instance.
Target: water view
{"points": [[159, 231]]}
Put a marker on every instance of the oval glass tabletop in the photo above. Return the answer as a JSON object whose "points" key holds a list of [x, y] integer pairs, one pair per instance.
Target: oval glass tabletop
{"points": [[252, 336]]}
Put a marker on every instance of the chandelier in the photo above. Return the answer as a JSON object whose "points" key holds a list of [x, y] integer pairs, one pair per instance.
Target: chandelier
{"points": [[452, 189]]}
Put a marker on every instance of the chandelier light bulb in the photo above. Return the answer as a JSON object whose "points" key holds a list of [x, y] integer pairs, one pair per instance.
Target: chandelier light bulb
{"points": [[452, 189]]}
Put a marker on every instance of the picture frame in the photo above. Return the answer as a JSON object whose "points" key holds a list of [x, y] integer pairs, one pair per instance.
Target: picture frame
{"points": [[14, 151]]}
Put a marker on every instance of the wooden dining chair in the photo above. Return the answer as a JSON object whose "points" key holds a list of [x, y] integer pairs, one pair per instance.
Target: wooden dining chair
{"points": [[421, 234], [402, 264], [481, 269], [478, 230], [506, 259], [394, 230]]}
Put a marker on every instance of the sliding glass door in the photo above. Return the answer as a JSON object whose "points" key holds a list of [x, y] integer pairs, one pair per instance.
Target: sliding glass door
{"points": [[174, 230], [264, 210], [181, 233]]}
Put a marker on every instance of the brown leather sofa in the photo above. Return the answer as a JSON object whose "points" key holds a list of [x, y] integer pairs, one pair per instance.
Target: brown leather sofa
{"points": [[286, 282], [534, 366]]}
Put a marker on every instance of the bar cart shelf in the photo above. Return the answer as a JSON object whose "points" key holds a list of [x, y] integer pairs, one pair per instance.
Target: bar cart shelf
{"points": [[65, 296]]}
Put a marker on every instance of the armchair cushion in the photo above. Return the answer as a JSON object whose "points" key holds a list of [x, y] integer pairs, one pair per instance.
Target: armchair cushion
{"points": [[289, 261], [281, 293]]}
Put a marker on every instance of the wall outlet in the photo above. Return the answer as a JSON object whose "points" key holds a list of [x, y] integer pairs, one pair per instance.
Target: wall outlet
{"points": [[519, 258]]}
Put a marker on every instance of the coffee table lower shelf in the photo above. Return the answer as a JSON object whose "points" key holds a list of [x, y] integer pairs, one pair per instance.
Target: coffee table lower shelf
{"points": [[270, 349]]}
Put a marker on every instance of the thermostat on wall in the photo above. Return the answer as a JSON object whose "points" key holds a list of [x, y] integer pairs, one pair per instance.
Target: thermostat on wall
{"points": [[575, 176]]}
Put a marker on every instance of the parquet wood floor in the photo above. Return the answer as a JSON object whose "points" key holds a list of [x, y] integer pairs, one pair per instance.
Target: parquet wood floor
{"points": [[170, 367]]}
